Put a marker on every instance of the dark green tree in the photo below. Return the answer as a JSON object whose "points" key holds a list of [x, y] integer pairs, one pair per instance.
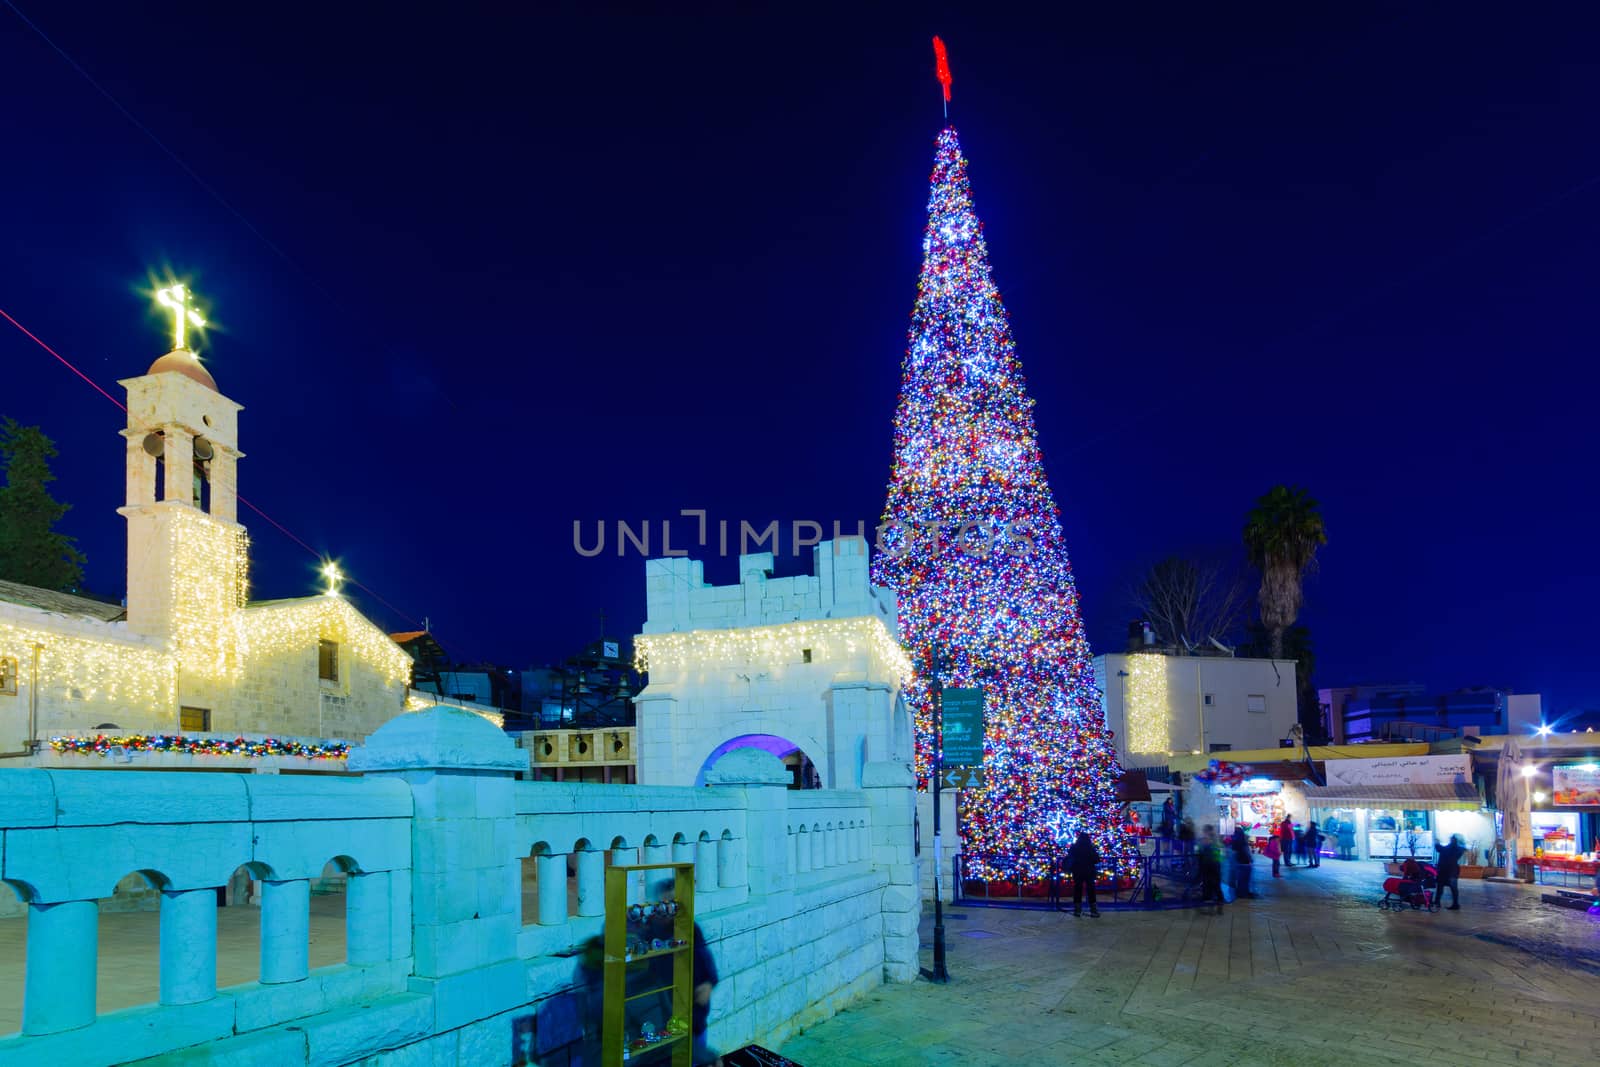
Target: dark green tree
{"points": [[31, 551]]}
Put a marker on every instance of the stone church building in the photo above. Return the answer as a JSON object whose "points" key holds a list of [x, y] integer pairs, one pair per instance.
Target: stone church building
{"points": [[188, 652]]}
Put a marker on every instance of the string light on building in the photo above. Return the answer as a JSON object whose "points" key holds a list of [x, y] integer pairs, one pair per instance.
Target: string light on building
{"points": [[1146, 699], [104, 746], [786, 642]]}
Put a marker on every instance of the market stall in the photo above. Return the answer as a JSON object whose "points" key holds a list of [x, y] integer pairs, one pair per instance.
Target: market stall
{"points": [[1396, 808]]}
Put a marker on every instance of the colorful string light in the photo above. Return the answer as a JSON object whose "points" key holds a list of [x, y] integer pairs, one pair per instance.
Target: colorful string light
{"points": [[975, 551], [105, 745]]}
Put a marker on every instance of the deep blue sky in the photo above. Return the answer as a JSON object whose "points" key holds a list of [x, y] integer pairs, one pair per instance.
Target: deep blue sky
{"points": [[528, 271]]}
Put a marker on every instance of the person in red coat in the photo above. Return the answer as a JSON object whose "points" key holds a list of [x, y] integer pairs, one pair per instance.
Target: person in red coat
{"points": [[1286, 836]]}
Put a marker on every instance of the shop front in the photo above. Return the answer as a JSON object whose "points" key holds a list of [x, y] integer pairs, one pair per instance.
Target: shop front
{"points": [[1566, 825], [1397, 808]]}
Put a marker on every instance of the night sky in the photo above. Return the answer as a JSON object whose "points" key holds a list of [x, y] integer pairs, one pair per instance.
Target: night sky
{"points": [[477, 275]]}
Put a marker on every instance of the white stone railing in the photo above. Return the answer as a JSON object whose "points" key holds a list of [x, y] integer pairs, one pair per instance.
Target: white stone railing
{"points": [[829, 834], [70, 836], [572, 830], [440, 951]]}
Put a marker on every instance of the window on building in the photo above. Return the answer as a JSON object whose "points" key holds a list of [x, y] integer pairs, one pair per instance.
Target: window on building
{"points": [[328, 660], [805, 655], [1211, 699], [1256, 702], [194, 720], [8, 675], [1218, 746]]}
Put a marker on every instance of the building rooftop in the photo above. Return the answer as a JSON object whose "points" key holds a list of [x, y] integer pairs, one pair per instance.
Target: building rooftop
{"points": [[32, 596]]}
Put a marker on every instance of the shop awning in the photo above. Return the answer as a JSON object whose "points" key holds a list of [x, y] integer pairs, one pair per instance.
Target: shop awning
{"points": [[1133, 786], [1429, 797]]}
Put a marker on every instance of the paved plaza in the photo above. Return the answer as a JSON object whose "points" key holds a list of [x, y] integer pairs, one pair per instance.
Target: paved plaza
{"points": [[1311, 973]]}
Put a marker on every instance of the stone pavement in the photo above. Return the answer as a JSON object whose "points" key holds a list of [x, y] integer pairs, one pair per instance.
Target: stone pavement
{"points": [[1311, 973]]}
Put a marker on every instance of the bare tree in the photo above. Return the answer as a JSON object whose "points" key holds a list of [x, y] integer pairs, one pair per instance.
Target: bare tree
{"points": [[1189, 602]]}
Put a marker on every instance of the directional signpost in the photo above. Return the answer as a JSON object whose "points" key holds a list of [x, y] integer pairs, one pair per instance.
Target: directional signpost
{"points": [[962, 778], [958, 764], [963, 728]]}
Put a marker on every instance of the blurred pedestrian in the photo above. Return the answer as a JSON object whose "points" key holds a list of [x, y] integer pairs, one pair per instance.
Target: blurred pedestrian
{"points": [[1240, 846], [1286, 836], [1083, 859], [1186, 836], [705, 975], [1313, 844], [1210, 858], [1272, 850], [1449, 868]]}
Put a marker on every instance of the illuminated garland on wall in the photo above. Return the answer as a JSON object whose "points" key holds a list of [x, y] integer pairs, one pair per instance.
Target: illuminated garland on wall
{"points": [[1144, 704], [93, 669], [784, 642], [104, 746], [270, 630], [1003, 612], [209, 577]]}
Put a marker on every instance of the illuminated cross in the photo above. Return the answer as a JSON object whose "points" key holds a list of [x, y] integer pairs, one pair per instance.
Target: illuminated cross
{"points": [[176, 299], [334, 577]]}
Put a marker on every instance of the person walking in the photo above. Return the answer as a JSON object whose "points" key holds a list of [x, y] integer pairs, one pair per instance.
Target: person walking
{"points": [[1169, 822], [1272, 850], [1313, 845], [705, 976], [1083, 859], [1210, 860], [1240, 844], [1286, 836], [1449, 868], [1186, 836]]}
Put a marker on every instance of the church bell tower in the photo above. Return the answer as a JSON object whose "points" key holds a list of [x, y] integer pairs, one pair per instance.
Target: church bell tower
{"points": [[186, 560]]}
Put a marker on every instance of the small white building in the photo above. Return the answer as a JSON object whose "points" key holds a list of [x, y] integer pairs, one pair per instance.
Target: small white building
{"points": [[1159, 705], [808, 668]]}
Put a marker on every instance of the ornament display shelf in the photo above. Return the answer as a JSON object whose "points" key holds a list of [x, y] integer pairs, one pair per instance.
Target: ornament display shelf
{"points": [[620, 1005]]}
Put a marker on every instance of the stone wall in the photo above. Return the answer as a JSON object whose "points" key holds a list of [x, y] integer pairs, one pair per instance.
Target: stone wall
{"points": [[807, 900]]}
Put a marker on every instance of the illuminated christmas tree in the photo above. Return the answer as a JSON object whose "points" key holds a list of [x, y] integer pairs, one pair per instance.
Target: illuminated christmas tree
{"points": [[972, 544]]}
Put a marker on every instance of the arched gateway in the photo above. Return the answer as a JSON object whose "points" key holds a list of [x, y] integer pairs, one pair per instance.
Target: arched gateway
{"points": [[809, 665]]}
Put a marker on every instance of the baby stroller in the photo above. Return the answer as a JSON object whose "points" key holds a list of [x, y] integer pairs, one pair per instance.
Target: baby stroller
{"points": [[1416, 888]]}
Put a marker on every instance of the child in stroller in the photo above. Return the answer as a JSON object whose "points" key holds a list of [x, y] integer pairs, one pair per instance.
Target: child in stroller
{"points": [[1415, 888]]}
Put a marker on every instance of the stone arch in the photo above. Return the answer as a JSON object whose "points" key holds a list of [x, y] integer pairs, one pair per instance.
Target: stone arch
{"points": [[652, 841], [803, 764]]}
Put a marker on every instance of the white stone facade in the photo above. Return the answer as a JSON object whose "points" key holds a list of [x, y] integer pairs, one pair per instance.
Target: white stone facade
{"points": [[812, 660], [1159, 706], [807, 899]]}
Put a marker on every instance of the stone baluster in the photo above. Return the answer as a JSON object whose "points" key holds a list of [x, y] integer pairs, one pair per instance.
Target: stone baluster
{"points": [[591, 882], [552, 871], [683, 851], [188, 945], [819, 854], [705, 865], [285, 930], [802, 851], [830, 848], [59, 985], [731, 868], [369, 901]]}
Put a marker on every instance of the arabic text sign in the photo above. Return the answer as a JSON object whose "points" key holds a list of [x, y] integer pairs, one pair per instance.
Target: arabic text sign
{"points": [[1400, 770]]}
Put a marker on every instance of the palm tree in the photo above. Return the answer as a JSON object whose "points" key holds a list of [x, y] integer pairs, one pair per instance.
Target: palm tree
{"points": [[1281, 536]]}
